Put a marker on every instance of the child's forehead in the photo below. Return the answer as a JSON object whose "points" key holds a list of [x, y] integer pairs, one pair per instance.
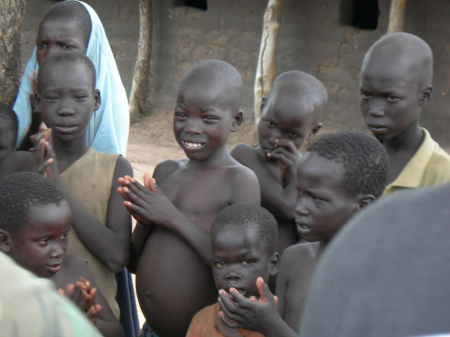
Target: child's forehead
{"points": [[205, 98], [292, 111], [49, 214], [322, 171], [60, 28], [237, 236], [57, 73]]}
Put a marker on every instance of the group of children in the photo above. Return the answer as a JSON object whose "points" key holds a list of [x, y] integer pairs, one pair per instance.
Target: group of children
{"points": [[225, 243]]}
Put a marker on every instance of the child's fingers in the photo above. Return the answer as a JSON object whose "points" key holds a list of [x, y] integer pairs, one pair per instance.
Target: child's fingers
{"points": [[228, 321], [239, 299], [287, 145], [264, 290], [229, 313]]}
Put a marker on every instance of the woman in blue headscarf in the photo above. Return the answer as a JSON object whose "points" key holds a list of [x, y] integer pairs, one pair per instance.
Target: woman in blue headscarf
{"points": [[78, 32]]}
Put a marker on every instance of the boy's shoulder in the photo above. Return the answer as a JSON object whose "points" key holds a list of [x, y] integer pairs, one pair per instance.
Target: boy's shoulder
{"points": [[299, 255], [303, 249]]}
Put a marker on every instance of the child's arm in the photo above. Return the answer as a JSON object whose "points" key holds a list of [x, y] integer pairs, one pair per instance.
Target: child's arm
{"points": [[259, 315], [142, 231], [287, 156], [156, 208], [110, 243]]}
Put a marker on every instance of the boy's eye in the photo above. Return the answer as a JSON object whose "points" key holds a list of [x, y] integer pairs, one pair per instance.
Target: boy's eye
{"points": [[42, 45], [292, 135], [271, 124], [63, 237], [219, 264], [43, 242], [81, 97], [392, 99], [210, 118]]}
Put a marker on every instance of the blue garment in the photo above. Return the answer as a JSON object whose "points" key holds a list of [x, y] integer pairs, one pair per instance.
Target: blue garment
{"points": [[127, 302], [109, 125]]}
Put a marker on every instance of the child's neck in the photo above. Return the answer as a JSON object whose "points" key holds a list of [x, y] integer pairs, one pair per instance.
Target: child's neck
{"points": [[68, 153], [219, 158]]}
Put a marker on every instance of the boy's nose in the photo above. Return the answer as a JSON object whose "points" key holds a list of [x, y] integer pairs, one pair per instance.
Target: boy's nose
{"points": [[193, 127], [376, 109], [57, 251], [301, 208]]}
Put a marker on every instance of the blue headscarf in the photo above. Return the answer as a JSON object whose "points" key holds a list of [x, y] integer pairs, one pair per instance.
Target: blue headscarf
{"points": [[109, 125]]}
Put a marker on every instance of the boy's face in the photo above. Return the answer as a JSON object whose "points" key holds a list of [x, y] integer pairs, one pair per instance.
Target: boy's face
{"points": [[323, 205], [240, 257], [390, 99], [66, 98], [201, 125], [40, 245], [284, 120], [59, 36], [8, 134]]}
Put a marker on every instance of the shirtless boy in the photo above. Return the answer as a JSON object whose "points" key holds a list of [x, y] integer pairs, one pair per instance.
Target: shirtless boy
{"points": [[244, 239], [171, 241], [340, 174], [290, 118], [34, 223], [396, 85]]}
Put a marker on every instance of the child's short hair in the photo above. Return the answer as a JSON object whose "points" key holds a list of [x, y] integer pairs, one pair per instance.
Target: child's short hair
{"points": [[311, 91], [6, 113], [240, 215], [364, 159], [19, 192], [53, 60]]}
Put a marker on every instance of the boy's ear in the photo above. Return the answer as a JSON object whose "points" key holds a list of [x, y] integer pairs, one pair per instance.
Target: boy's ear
{"points": [[273, 264], [6, 242], [237, 121], [426, 94], [365, 200], [98, 99]]}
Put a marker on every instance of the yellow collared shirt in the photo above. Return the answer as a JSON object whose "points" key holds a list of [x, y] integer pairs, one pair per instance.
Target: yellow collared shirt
{"points": [[429, 166]]}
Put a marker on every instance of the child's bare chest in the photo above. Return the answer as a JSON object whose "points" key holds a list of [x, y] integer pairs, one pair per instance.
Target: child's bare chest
{"points": [[198, 194]]}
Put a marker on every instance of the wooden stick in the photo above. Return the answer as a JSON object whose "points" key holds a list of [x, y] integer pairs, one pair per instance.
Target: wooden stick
{"points": [[267, 68], [142, 72], [397, 16]]}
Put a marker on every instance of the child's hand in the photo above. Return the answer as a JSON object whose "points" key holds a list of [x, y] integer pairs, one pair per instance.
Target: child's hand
{"points": [[252, 314], [147, 204], [287, 155], [226, 327], [44, 154], [84, 296]]}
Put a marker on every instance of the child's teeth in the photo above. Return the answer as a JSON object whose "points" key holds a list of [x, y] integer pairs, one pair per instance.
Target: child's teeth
{"points": [[193, 146]]}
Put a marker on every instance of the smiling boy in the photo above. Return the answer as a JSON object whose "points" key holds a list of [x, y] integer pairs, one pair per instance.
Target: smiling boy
{"points": [[244, 241], [340, 174], [171, 243], [396, 85], [291, 116]]}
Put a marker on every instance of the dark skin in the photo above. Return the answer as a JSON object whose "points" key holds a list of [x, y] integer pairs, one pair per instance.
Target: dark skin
{"points": [[393, 95], [66, 104], [55, 36], [284, 127], [175, 217], [323, 207], [40, 246], [12, 161], [240, 256]]}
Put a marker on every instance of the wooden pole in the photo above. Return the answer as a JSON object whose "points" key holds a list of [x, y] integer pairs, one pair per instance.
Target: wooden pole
{"points": [[142, 69], [397, 16], [266, 69], [11, 20]]}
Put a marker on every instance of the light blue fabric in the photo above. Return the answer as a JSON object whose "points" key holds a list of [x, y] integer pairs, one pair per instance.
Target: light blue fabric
{"points": [[109, 125]]}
